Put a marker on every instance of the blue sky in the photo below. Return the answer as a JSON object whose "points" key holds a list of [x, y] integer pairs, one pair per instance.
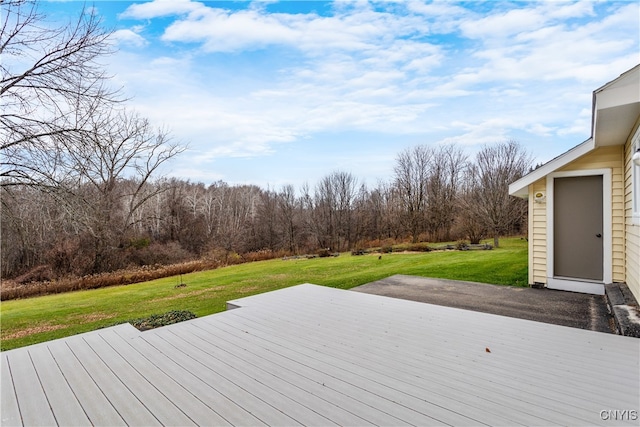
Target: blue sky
{"points": [[274, 93]]}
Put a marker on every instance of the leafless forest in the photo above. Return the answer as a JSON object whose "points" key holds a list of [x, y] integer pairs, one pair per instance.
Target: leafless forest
{"points": [[96, 226], [81, 194]]}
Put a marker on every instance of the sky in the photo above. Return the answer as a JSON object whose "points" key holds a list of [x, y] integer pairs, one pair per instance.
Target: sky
{"points": [[274, 93]]}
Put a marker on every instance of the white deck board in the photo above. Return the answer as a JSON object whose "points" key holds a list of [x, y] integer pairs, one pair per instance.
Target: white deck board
{"points": [[98, 408], [307, 392], [9, 411], [174, 390], [473, 349], [295, 372], [237, 405], [246, 378], [365, 374], [64, 404], [319, 356], [34, 406], [407, 381], [159, 408]]}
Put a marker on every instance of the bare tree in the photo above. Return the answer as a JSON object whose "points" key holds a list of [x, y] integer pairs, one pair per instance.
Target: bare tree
{"points": [[411, 177], [495, 167], [471, 223], [119, 147], [333, 210], [267, 225], [345, 188], [289, 207], [443, 182], [324, 212], [51, 84]]}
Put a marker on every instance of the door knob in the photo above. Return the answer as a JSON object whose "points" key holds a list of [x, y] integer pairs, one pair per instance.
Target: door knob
{"points": [[598, 235]]}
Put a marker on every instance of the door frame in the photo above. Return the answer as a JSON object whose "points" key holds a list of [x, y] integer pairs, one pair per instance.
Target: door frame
{"points": [[582, 285]]}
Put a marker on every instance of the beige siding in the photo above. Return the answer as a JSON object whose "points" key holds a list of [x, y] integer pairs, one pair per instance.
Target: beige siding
{"points": [[538, 236], [632, 232], [610, 158]]}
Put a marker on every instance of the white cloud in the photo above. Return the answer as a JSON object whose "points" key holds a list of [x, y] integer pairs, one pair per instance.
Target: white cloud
{"points": [[438, 73], [485, 132], [160, 8], [129, 37]]}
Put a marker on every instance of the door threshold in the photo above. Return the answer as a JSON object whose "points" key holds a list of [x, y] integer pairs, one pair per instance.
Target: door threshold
{"points": [[575, 285]]}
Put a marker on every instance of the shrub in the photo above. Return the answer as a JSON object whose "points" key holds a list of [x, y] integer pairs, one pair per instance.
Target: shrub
{"points": [[264, 254], [13, 289], [157, 320], [323, 253], [419, 247], [42, 273], [462, 245]]}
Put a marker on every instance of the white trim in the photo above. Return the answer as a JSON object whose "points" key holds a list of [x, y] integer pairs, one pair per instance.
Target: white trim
{"points": [[520, 188], [635, 180], [607, 238], [575, 286], [530, 239]]}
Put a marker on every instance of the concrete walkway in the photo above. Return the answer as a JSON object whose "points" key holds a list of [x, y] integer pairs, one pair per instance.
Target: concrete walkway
{"points": [[542, 305]]}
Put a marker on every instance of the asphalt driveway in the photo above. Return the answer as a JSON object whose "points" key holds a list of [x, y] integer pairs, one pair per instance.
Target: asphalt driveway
{"points": [[542, 305]]}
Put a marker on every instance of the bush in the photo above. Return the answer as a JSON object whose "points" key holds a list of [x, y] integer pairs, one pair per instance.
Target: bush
{"points": [[323, 253], [264, 254], [158, 253], [419, 247], [462, 245], [157, 320], [10, 289], [42, 273]]}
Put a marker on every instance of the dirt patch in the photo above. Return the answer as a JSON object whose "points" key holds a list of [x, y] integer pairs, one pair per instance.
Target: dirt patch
{"points": [[191, 294], [33, 330], [86, 318]]}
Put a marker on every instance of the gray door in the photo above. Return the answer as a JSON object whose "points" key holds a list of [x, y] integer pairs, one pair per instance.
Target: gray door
{"points": [[577, 227]]}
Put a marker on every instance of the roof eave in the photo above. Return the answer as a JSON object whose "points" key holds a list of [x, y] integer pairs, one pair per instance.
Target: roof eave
{"points": [[520, 188]]}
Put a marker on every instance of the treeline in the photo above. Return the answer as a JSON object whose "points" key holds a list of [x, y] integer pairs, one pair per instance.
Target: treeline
{"points": [[93, 226], [80, 193]]}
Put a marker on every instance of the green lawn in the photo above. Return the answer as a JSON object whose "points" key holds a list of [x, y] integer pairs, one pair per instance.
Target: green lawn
{"points": [[33, 320]]}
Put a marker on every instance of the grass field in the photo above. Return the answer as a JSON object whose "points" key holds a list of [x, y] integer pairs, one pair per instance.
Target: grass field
{"points": [[34, 320]]}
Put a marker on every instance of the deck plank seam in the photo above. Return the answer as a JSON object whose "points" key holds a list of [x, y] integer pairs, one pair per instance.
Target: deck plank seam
{"points": [[15, 393], [133, 392], [223, 376], [410, 396], [252, 378], [356, 363], [96, 384], [207, 331], [259, 325], [53, 414], [561, 367], [268, 372], [177, 383]]}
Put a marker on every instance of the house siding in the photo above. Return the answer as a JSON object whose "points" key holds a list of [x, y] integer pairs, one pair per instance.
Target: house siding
{"points": [[610, 158], [600, 158], [538, 235], [632, 232]]}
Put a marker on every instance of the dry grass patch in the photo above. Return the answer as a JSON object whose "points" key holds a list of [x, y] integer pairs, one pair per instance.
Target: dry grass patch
{"points": [[94, 317], [45, 327], [190, 294]]}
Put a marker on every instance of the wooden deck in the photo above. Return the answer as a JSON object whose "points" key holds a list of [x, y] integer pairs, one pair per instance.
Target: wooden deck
{"points": [[313, 355]]}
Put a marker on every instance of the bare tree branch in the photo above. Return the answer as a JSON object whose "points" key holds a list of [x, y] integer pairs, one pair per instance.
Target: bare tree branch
{"points": [[51, 84]]}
